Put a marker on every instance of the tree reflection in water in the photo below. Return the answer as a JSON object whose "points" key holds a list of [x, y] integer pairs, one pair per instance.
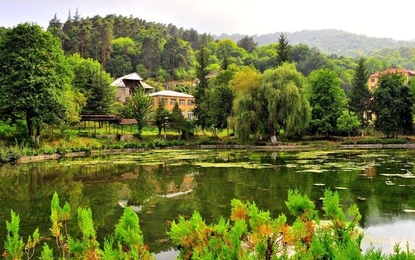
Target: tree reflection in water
{"points": [[162, 185]]}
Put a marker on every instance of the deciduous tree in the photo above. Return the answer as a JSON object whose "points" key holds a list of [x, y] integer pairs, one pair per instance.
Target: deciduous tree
{"points": [[33, 77], [94, 83], [392, 105], [347, 122], [327, 100], [288, 108]]}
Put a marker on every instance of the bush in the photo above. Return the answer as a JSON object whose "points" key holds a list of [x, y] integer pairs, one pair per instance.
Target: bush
{"points": [[252, 232], [382, 141]]}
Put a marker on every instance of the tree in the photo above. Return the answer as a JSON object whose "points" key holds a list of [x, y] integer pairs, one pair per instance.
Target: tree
{"points": [[120, 63], [106, 38], [55, 27], [283, 50], [227, 49], [177, 119], [220, 101], [85, 34], [244, 85], [392, 104], [160, 117], [245, 117], [347, 122], [266, 57], [316, 60], [201, 73], [247, 43], [245, 81], [327, 100], [36, 77], [280, 102], [94, 83], [192, 37], [150, 53], [138, 106], [360, 95], [284, 89]]}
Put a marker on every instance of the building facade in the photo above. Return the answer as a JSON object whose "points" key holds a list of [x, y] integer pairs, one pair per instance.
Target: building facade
{"points": [[127, 84], [170, 98]]}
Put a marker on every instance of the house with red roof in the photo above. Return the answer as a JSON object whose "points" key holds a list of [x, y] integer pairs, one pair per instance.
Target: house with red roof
{"points": [[374, 78]]}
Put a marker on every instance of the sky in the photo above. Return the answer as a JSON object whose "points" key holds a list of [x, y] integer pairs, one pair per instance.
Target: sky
{"points": [[372, 18]]}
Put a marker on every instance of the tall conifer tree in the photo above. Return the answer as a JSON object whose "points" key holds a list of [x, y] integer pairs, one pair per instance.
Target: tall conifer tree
{"points": [[360, 95], [283, 50]]}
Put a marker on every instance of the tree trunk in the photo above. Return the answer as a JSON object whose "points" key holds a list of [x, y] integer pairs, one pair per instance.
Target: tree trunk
{"points": [[272, 133], [37, 137], [29, 124], [274, 139]]}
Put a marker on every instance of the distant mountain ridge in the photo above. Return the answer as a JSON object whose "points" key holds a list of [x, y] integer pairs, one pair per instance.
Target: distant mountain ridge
{"points": [[329, 41]]}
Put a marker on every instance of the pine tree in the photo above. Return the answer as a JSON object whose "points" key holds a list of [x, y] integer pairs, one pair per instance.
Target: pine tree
{"points": [[283, 50], [202, 72], [360, 95]]}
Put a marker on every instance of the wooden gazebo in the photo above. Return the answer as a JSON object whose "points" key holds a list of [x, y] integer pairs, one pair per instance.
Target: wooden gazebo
{"points": [[106, 121]]}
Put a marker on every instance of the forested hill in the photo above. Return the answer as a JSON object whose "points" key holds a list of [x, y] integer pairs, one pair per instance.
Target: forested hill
{"points": [[330, 41]]}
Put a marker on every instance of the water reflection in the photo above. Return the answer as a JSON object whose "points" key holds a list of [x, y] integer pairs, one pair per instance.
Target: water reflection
{"points": [[161, 185]]}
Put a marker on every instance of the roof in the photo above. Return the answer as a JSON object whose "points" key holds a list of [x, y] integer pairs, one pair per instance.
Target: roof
{"points": [[120, 81], [128, 121], [393, 70], [170, 93], [146, 86]]}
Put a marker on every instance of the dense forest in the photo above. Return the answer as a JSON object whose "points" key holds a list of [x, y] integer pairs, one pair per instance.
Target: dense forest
{"points": [[331, 41], [167, 53]]}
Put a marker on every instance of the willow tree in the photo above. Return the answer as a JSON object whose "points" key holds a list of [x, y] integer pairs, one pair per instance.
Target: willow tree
{"points": [[285, 92], [244, 85], [34, 78]]}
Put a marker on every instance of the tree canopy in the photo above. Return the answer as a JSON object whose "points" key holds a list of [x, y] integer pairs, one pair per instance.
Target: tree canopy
{"points": [[35, 75], [94, 83], [392, 104], [327, 99], [360, 95]]}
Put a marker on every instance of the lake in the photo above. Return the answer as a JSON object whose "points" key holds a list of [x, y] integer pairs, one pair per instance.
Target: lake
{"points": [[160, 185]]}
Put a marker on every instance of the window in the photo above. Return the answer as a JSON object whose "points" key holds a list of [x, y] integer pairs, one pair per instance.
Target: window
{"points": [[165, 101], [372, 80], [173, 101], [190, 115], [190, 102], [181, 102]]}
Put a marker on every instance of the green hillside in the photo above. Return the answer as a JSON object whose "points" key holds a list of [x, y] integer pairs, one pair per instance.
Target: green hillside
{"points": [[330, 41]]}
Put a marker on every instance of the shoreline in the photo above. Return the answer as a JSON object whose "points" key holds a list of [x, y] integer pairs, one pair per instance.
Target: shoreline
{"points": [[287, 147]]}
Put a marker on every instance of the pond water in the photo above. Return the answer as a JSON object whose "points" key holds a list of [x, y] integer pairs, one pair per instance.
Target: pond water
{"points": [[160, 185]]}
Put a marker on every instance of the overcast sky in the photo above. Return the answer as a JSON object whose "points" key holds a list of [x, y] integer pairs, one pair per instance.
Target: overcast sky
{"points": [[373, 18]]}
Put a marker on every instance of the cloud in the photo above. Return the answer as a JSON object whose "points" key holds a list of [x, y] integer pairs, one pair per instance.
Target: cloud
{"points": [[369, 17]]}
